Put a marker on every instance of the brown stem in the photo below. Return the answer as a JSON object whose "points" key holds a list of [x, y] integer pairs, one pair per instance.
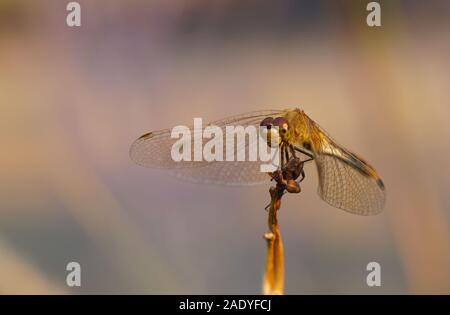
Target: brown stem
{"points": [[273, 282]]}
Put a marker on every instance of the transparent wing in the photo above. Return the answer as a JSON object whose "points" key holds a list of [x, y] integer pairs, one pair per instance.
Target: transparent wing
{"points": [[154, 150], [224, 173], [346, 181]]}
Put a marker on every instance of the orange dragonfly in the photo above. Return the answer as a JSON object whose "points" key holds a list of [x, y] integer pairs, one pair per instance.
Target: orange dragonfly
{"points": [[346, 181]]}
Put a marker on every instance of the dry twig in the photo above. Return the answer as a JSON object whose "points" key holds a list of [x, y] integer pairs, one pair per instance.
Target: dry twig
{"points": [[285, 178], [274, 273]]}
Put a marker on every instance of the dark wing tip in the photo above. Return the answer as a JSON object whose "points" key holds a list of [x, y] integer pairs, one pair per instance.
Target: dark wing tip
{"points": [[132, 151], [148, 135]]}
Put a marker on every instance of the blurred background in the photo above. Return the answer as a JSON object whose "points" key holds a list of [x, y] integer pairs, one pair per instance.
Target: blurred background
{"points": [[72, 100]]}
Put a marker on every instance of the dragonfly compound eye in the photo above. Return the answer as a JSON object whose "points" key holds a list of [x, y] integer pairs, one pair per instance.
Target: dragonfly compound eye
{"points": [[281, 123], [267, 122], [283, 126], [270, 133]]}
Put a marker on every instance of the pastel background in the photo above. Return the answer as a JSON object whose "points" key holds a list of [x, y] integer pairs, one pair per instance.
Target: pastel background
{"points": [[73, 100]]}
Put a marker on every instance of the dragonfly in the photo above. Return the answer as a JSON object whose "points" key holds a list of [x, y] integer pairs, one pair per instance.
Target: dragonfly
{"points": [[346, 181]]}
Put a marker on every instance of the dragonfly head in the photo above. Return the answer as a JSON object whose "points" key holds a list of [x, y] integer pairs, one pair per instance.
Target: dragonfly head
{"points": [[282, 129]]}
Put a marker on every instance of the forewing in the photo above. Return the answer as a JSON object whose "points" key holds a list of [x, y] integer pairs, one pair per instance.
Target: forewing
{"points": [[346, 181], [154, 150]]}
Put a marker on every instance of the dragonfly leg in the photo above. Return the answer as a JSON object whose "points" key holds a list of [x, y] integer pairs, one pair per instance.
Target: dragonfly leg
{"points": [[286, 153], [304, 151], [291, 148], [282, 155], [302, 176]]}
